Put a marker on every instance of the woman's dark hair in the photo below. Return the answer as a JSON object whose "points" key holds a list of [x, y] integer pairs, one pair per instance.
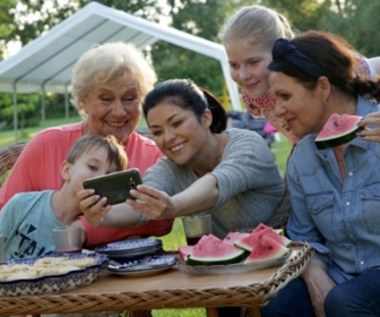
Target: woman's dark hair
{"points": [[186, 94], [315, 53]]}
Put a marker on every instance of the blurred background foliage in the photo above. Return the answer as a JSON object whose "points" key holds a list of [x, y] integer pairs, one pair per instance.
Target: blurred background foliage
{"points": [[22, 21]]}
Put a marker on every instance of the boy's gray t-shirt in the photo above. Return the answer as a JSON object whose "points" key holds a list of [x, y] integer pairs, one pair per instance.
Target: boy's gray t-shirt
{"points": [[249, 183], [27, 221]]}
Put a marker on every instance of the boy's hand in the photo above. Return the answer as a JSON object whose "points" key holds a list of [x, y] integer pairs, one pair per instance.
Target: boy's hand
{"points": [[93, 207]]}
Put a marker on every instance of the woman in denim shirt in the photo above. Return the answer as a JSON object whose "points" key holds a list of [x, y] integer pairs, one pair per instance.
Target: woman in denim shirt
{"points": [[334, 193]]}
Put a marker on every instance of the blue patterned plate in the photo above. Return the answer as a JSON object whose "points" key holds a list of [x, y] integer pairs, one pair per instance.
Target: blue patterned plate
{"points": [[131, 248], [50, 273], [147, 266]]}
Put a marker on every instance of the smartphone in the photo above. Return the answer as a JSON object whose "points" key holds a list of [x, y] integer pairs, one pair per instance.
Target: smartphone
{"points": [[115, 186]]}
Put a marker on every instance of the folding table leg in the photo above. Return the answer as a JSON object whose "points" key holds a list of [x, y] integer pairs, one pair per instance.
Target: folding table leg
{"points": [[250, 312], [140, 313], [212, 312]]}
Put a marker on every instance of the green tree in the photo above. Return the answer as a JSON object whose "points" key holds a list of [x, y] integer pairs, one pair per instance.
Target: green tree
{"points": [[303, 14], [357, 22], [33, 18], [7, 25], [200, 18]]}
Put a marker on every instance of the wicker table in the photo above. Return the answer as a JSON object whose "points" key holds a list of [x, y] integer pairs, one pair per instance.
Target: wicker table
{"points": [[172, 289]]}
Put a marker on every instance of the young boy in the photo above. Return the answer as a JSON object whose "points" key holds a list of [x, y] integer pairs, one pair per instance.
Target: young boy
{"points": [[28, 218]]}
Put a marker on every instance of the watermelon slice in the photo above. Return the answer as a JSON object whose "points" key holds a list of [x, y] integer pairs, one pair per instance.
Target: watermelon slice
{"points": [[234, 236], [185, 251], [210, 250], [253, 239], [338, 130], [260, 227], [267, 249]]}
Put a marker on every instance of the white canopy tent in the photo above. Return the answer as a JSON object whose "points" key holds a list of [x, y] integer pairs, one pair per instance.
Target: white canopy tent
{"points": [[45, 64]]}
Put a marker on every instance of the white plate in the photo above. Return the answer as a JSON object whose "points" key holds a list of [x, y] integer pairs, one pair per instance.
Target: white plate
{"points": [[54, 282], [232, 268], [143, 267]]}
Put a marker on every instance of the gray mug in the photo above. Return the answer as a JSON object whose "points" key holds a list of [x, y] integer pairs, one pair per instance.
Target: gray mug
{"points": [[2, 254], [67, 239]]}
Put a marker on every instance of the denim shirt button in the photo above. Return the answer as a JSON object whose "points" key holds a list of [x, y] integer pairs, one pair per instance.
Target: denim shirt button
{"points": [[348, 203], [361, 262], [350, 173]]}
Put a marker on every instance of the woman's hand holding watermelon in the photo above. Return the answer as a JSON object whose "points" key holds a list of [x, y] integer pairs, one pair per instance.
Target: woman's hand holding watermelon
{"points": [[372, 133]]}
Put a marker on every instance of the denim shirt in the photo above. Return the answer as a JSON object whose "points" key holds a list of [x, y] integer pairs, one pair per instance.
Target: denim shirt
{"points": [[339, 218]]}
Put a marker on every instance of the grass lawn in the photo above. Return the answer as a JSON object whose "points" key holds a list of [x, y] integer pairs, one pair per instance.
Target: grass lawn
{"points": [[176, 238]]}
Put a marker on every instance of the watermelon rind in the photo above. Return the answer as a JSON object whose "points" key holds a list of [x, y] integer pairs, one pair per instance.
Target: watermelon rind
{"points": [[283, 252], [236, 256], [280, 232], [327, 143], [211, 250]]}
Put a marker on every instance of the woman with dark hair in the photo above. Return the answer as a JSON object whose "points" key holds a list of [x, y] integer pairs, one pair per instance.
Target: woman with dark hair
{"points": [[229, 173], [334, 192]]}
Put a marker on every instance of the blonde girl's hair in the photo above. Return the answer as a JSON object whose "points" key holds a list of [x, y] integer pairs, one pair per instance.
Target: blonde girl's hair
{"points": [[258, 25], [107, 61]]}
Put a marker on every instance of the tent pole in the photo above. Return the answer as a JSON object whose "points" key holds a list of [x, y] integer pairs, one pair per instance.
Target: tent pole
{"points": [[231, 87], [43, 106], [15, 112], [67, 114]]}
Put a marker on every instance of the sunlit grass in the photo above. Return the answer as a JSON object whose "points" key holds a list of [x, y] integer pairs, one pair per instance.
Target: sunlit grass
{"points": [[281, 152], [11, 136]]}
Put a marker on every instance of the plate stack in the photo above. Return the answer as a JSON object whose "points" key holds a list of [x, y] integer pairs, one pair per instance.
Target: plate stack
{"points": [[138, 257], [131, 249]]}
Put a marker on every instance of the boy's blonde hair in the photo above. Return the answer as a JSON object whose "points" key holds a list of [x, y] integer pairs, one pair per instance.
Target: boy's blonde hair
{"points": [[115, 151]]}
